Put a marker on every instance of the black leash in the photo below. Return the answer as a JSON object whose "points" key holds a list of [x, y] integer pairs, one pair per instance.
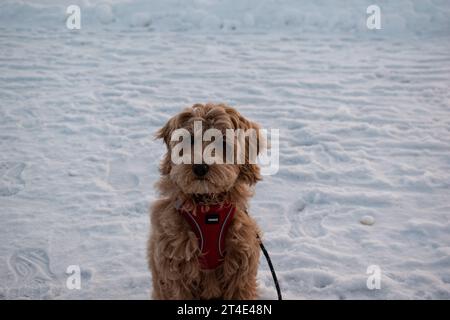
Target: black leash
{"points": [[272, 270], [269, 262]]}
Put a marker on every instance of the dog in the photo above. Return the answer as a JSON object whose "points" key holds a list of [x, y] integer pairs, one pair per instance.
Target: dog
{"points": [[181, 267]]}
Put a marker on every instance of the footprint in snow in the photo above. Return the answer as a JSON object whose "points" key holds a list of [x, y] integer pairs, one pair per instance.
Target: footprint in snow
{"points": [[303, 223], [312, 225], [11, 181], [31, 265], [120, 178]]}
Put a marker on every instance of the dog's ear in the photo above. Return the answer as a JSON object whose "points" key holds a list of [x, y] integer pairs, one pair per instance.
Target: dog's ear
{"points": [[249, 171], [175, 122], [165, 133]]}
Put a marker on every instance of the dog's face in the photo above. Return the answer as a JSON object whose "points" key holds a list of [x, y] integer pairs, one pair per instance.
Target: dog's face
{"points": [[202, 178]]}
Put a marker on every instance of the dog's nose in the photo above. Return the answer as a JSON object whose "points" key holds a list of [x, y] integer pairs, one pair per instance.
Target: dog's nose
{"points": [[200, 169]]}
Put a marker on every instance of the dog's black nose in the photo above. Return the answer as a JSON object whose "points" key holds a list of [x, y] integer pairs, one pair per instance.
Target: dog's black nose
{"points": [[200, 169]]}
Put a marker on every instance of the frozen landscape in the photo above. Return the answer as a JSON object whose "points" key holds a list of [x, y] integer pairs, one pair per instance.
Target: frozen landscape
{"points": [[364, 119]]}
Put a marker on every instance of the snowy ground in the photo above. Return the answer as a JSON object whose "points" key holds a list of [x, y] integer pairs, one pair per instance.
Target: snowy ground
{"points": [[365, 131]]}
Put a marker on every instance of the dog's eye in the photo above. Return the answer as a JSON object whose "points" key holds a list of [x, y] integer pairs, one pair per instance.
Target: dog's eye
{"points": [[226, 146], [226, 142]]}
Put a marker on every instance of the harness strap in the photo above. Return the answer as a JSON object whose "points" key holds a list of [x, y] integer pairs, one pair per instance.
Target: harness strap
{"points": [[210, 224]]}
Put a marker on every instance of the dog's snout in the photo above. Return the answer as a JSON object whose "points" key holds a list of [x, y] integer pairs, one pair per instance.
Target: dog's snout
{"points": [[200, 169]]}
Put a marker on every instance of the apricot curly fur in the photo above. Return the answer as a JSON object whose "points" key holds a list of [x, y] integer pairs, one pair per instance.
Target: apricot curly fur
{"points": [[173, 248]]}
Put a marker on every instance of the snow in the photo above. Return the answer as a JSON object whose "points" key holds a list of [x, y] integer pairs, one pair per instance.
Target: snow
{"points": [[330, 16], [364, 123]]}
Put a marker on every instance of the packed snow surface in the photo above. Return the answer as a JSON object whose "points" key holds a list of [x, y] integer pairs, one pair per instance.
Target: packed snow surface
{"points": [[364, 119]]}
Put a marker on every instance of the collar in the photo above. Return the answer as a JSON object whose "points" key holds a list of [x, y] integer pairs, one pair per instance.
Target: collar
{"points": [[195, 207], [202, 200]]}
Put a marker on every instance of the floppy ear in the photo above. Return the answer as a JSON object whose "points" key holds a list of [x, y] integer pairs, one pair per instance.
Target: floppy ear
{"points": [[249, 172], [175, 122], [165, 134]]}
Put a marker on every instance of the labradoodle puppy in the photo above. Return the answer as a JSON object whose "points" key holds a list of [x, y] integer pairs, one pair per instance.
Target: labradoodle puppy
{"points": [[203, 244]]}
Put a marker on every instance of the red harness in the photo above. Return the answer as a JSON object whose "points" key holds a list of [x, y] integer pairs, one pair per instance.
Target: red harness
{"points": [[210, 225]]}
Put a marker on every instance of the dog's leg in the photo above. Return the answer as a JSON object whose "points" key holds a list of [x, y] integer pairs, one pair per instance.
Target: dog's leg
{"points": [[173, 255], [241, 261], [175, 268]]}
